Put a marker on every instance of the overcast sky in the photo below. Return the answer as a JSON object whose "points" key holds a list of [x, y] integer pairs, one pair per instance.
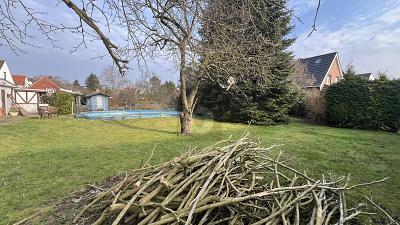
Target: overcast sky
{"points": [[366, 33]]}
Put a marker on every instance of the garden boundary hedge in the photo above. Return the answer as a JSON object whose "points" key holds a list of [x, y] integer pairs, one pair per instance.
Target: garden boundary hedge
{"points": [[364, 104]]}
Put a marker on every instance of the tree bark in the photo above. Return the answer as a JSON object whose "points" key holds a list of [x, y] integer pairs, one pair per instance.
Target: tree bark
{"points": [[186, 115], [186, 122]]}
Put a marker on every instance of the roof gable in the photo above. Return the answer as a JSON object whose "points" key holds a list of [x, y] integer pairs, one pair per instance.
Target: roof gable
{"points": [[98, 93], [19, 79], [319, 66], [45, 83]]}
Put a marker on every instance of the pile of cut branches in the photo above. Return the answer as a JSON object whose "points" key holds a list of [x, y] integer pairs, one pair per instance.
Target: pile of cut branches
{"points": [[230, 182]]}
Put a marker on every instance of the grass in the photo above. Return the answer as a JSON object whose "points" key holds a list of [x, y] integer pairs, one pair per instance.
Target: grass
{"points": [[42, 161]]}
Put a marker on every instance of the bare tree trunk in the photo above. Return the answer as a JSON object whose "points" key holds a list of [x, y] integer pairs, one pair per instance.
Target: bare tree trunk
{"points": [[186, 122], [186, 115]]}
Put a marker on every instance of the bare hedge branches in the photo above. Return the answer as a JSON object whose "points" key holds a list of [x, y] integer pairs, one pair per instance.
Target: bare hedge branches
{"points": [[231, 182]]}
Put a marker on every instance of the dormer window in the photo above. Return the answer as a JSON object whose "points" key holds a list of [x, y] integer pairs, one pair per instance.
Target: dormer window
{"points": [[318, 60]]}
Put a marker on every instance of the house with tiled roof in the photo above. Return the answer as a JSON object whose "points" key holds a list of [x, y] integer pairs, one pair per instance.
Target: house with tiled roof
{"points": [[21, 81], [44, 83], [325, 70], [7, 86]]}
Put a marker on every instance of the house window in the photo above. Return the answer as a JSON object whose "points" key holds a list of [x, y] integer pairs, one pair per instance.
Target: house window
{"points": [[50, 90], [5, 76], [329, 80]]}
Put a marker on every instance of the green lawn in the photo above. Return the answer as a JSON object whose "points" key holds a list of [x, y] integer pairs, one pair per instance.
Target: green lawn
{"points": [[42, 161]]}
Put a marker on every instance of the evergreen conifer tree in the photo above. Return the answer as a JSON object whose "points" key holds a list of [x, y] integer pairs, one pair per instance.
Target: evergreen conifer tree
{"points": [[246, 41]]}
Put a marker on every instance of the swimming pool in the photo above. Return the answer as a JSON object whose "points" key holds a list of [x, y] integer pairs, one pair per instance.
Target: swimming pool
{"points": [[126, 114]]}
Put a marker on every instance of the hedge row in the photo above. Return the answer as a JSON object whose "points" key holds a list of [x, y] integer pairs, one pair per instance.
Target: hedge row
{"points": [[364, 104], [63, 101]]}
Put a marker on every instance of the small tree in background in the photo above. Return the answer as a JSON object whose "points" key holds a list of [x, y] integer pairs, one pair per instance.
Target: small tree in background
{"points": [[92, 82], [350, 72], [382, 76], [113, 83], [76, 83]]}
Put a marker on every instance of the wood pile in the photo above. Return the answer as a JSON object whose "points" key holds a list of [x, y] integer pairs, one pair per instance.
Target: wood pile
{"points": [[230, 182]]}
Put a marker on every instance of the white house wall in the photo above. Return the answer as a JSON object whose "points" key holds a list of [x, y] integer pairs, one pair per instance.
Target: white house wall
{"points": [[8, 92], [23, 97], [5, 71]]}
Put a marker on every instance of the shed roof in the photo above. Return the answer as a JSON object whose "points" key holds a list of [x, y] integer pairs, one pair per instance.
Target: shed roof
{"points": [[318, 66], [97, 93]]}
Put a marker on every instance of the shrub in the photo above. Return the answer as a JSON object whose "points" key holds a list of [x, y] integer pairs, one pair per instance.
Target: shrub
{"points": [[48, 99], [314, 104], [61, 100], [364, 104]]}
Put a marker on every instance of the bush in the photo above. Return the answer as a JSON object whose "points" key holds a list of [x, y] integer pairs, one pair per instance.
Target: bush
{"points": [[314, 104], [364, 104], [48, 99], [61, 100]]}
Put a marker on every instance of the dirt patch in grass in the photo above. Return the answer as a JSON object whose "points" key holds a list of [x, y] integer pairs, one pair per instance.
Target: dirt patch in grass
{"points": [[64, 211]]}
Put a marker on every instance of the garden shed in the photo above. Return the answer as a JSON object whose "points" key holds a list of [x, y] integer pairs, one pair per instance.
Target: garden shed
{"points": [[97, 102]]}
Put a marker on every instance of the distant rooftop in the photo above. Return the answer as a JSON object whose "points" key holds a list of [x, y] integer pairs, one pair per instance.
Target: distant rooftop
{"points": [[364, 75]]}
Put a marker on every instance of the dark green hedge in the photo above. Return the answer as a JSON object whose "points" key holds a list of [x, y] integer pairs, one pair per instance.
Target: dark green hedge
{"points": [[364, 104], [61, 100]]}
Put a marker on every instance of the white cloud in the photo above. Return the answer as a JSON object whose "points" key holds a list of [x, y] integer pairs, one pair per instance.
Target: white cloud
{"points": [[370, 44], [302, 6]]}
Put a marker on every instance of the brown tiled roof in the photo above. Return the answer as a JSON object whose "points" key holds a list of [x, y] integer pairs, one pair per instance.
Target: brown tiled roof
{"points": [[45, 83], [19, 79]]}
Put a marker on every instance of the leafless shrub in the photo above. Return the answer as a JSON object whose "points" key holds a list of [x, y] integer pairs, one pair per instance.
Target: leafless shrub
{"points": [[315, 106]]}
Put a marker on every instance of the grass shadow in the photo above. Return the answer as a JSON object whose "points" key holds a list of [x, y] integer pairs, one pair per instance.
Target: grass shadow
{"points": [[135, 127]]}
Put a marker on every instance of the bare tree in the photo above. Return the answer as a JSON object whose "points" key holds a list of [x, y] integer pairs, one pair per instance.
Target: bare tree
{"points": [[113, 82], [171, 29]]}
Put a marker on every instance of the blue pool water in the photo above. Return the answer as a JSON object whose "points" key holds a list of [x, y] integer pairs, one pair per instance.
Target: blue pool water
{"points": [[126, 114]]}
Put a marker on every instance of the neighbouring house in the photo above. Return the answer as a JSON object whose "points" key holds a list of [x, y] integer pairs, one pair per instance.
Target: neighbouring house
{"points": [[324, 69], [21, 81], [44, 83], [366, 76], [7, 86], [50, 86], [26, 98], [97, 102]]}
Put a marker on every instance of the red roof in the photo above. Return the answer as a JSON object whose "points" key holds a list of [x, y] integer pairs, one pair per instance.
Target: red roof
{"points": [[19, 79], [45, 83]]}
